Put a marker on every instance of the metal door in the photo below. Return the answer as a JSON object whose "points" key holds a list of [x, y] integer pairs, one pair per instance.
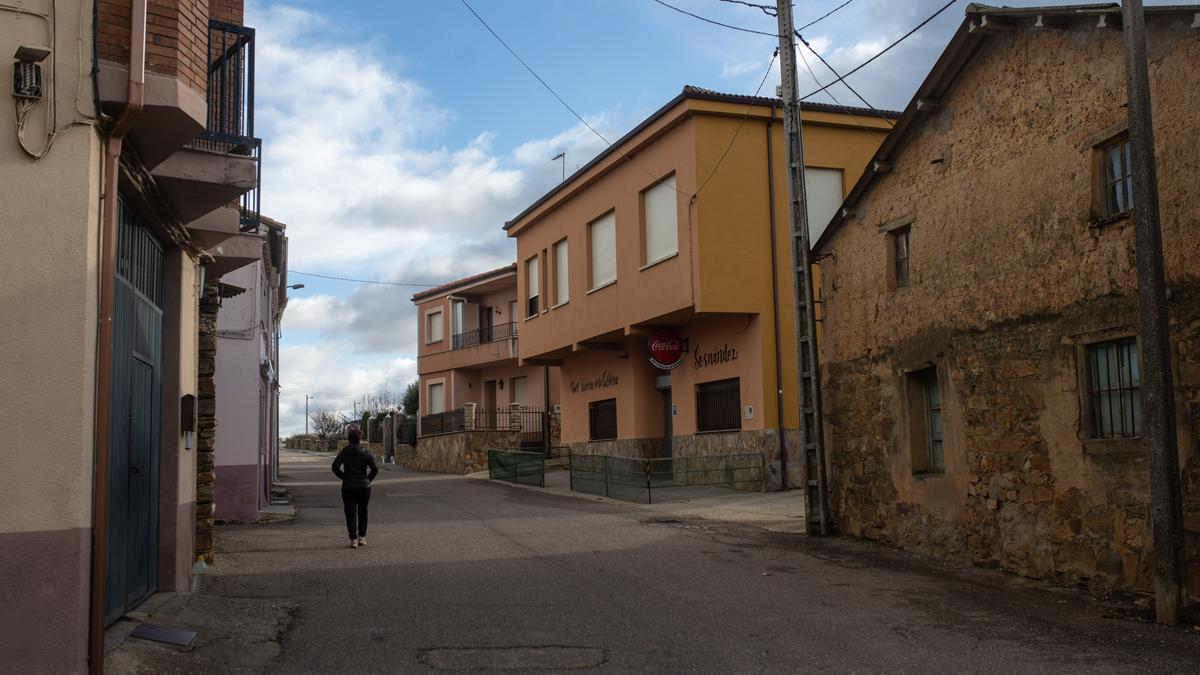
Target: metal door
{"points": [[668, 422], [135, 417]]}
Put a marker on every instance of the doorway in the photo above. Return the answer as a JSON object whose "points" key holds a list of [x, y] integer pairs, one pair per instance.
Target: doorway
{"points": [[491, 414], [134, 416]]}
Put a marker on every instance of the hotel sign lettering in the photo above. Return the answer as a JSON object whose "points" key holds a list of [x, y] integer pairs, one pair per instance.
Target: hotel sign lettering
{"points": [[714, 357], [602, 381], [666, 349]]}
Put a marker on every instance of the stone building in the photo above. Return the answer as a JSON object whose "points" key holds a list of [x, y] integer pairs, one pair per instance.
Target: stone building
{"points": [[130, 177], [980, 341], [662, 284]]}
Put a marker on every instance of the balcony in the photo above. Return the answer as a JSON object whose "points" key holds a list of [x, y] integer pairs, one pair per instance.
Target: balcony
{"points": [[479, 336], [222, 165]]}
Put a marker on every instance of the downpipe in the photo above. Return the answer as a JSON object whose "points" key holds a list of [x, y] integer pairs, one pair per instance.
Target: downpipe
{"points": [[135, 100]]}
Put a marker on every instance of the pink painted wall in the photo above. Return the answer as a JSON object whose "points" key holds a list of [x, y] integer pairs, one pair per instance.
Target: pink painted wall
{"points": [[243, 421]]}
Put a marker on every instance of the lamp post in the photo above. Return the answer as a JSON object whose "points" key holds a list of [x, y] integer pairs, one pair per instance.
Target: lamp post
{"points": [[306, 397]]}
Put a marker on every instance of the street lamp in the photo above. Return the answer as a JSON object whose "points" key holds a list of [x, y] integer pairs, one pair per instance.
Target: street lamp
{"points": [[296, 286], [306, 397]]}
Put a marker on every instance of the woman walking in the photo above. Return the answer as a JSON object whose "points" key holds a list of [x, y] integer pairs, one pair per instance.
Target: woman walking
{"points": [[356, 467]]}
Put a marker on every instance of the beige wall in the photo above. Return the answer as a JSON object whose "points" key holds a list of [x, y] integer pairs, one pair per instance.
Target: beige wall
{"points": [[48, 250]]}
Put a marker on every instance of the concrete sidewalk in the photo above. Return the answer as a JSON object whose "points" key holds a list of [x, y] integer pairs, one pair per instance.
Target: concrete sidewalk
{"points": [[771, 511]]}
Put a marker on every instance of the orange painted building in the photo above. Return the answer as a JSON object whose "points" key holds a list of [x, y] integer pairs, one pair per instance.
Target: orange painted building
{"points": [[680, 230], [467, 355]]}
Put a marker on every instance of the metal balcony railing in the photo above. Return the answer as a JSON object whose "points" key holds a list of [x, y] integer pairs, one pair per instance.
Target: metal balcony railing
{"points": [[473, 338], [230, 125]]}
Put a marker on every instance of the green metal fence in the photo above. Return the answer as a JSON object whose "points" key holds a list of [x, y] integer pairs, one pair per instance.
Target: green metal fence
{"points": [[516, 466], [642, 480]]}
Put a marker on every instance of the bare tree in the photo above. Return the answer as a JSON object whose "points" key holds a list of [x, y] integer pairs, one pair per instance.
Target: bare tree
{"points": [[326, 424]]}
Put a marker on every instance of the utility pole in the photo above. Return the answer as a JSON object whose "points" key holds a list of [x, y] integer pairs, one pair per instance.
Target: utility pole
{"points": [[1158, 388], [808, 392], [306, 397]]}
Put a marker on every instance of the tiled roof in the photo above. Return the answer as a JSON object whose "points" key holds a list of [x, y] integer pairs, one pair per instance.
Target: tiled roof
{"points": [[465, 281]]}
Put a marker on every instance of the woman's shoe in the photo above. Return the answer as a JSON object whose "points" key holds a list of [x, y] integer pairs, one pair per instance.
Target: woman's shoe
{"points": [[353, 543], [362, 541]]}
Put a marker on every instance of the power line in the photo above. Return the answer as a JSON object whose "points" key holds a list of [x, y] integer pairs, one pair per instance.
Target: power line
{"points": [[769, 10], [555, 94], [532, 72], [717, 23], [361, 281], [824, 16], [742, 122], [840, 78], [835, 99], [883, 51]]}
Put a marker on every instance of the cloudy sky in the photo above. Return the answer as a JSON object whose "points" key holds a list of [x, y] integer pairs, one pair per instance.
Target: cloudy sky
{"points": [[400, 136]]}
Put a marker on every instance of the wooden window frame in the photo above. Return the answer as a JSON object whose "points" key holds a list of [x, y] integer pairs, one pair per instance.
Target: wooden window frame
{"points": [[1105, 209], [1089, 399], [919, 412]]}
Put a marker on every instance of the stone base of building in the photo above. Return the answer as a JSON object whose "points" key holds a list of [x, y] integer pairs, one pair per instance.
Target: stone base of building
{"points": [[760, 441], [460, 452]]}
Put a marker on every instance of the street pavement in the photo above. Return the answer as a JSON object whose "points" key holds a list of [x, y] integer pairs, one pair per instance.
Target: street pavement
{"points": [[462, 573]]}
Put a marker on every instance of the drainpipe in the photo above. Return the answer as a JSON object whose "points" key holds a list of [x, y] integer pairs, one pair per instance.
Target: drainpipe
{"points": [[783, 467], [104, 338]]}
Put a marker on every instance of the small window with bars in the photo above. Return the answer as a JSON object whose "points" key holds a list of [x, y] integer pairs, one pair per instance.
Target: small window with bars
{"points": [[935, 456], [1116, 178], [719, 406], [1114, 389], [602, 420]]}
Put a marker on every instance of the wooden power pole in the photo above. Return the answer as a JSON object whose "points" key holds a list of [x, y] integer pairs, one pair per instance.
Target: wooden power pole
{"points": [[808, 393], [1158, 392]]}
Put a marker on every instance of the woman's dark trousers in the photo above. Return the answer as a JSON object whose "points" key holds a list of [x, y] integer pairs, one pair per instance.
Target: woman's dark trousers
{"points": [[355, 502]]}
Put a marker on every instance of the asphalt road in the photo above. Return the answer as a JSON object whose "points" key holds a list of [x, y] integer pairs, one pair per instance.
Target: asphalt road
{"points": [[462, 573]]}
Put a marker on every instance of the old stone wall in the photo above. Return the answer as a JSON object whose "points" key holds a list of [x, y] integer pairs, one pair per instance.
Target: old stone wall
{"points": [[1011, 272], [459, 452], [206, 421]]}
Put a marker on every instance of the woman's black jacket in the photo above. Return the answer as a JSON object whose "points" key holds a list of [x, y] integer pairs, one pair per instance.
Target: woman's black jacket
{"points": [[355, 466]]}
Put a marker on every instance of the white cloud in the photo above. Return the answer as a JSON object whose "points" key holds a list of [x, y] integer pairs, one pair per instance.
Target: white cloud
{"points": [[335, 379]]}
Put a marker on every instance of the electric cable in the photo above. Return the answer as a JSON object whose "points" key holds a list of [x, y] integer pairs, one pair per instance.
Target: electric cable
{"points": [[824, 16], [840, 78], [769, 10], [741, 123], [885, 50], [362, 281], [845, 109], [717, 23]]}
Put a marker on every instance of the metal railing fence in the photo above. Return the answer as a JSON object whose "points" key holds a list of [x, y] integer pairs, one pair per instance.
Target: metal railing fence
{"points": [[478, 336], [517, 466], [637, 479]]}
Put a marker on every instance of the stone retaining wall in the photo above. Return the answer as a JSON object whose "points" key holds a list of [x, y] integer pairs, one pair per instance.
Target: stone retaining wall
{"points": [[460, 452]]}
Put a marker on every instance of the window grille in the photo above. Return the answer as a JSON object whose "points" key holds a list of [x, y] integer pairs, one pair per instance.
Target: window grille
{"points": [[602, 420], [1114, 389], [719, 406]]}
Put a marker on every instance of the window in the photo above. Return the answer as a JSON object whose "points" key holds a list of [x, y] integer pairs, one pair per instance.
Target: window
{"points": [[518, 388], [719, 406], [434, 326], [456, 317], [437, 398], [602, 239], [899, 256], [1114, 389], [531, 286], [823, 190], [661, 221], [562, 290], [925, 422], [1116, 178], [602, 420]]}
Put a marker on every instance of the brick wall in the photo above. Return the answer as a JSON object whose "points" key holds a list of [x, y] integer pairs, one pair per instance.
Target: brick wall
{"points": [[176, 35], [1010, 274]]}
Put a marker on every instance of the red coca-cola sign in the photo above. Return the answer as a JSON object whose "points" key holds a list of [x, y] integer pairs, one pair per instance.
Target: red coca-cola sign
{"points": [[666, 349]]}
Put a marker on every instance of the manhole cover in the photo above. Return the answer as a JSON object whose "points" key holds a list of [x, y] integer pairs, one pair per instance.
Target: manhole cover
{"points": [[514, 658]]}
